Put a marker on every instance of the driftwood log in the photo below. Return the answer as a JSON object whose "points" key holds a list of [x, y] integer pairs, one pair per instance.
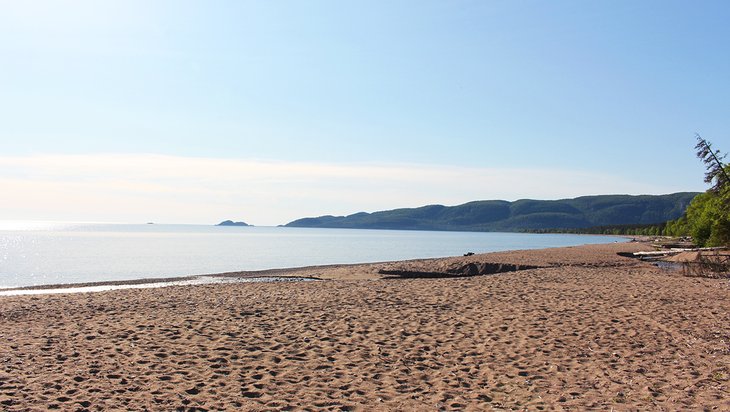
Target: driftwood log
{"points": [[469, 269]]}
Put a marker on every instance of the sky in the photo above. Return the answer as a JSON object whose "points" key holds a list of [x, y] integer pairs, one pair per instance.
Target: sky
{"points": [[268, 111]]}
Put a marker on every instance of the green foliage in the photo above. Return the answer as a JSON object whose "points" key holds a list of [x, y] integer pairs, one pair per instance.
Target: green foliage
{"points": [[617, 230], [700, 215], [676, 228], [707, 218]]}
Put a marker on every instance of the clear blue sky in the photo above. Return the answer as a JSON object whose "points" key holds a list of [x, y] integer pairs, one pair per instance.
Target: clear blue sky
{"points": [[609, 90]]}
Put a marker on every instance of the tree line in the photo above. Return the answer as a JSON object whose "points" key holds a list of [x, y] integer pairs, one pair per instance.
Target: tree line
{"points": [[658, 229]]}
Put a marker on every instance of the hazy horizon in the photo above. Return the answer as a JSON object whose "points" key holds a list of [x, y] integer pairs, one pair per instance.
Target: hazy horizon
{"points": [[22, 224], [189, 112]]}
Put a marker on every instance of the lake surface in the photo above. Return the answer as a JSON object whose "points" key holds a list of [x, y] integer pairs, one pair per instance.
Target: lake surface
{"points": [[33, 253]]}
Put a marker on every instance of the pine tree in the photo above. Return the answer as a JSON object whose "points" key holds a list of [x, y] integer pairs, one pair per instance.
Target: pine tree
{"points": [[713, 160]]}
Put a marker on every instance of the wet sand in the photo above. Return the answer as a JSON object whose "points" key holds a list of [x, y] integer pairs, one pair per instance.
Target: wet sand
{"points": [[588, 330]]}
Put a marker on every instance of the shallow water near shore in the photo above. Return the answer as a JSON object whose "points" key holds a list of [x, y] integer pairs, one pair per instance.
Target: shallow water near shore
{"points": [[195, 280], [35, 253]]}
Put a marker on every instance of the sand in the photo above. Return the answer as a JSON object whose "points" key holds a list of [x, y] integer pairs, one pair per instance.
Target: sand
{"points": [[588, 330]]}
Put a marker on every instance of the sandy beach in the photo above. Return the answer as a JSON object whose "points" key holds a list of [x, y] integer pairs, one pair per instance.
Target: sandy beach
{"points": [[585, 330]]}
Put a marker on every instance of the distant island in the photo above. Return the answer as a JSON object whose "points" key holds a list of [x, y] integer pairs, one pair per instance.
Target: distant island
{"points": [[232, 223], [518, 216]]}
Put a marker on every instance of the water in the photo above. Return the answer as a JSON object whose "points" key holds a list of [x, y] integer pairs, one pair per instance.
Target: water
{"points": [[198, 280], [34, 253]]}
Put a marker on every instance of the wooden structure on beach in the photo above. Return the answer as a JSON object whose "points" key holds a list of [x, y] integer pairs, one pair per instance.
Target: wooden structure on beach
{"points": [[704, 263], [699, 262]]}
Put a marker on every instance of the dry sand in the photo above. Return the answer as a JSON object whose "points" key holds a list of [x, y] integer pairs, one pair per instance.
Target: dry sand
{"points": [[588, 331]]}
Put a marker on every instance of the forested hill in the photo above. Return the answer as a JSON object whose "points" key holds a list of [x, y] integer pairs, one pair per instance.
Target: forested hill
{"points": [[521, 215]]}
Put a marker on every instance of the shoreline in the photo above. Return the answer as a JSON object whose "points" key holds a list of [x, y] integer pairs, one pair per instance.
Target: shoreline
{"points": [[586, 329], [161, 266], [308, 272]]}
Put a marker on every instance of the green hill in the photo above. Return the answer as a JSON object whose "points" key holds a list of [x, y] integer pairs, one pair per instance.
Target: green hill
{"points": [[521, 215]]}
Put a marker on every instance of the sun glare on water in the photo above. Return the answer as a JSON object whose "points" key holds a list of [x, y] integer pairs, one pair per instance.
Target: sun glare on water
{"points": [[35, 225]]}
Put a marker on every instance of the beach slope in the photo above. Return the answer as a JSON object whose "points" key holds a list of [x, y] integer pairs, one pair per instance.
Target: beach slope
{"points": [[588, 329]]}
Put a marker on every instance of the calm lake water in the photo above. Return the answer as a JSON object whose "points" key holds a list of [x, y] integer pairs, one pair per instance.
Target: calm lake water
{"points": [[59, 253]]}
